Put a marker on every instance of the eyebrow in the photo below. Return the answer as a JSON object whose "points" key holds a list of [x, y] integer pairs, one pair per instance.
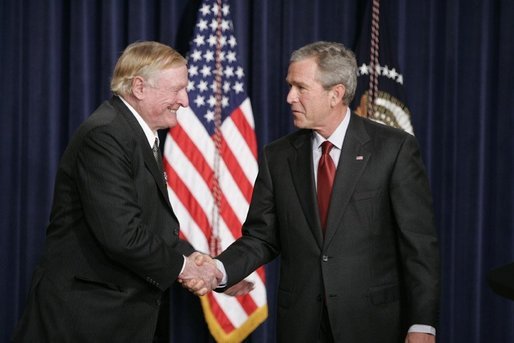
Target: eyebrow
{"points": [[296, 83]]}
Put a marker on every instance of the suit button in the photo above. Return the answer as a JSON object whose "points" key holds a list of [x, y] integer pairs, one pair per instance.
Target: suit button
{"points": [[324, 258], [158, 302]]}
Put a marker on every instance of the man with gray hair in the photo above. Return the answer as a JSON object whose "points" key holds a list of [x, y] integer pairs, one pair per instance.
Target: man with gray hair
{"points": [[345, 203], [112, 245]]}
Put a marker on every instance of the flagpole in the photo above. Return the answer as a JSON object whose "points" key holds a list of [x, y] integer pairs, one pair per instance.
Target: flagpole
{"points": [[214, 242], [374, 58]]}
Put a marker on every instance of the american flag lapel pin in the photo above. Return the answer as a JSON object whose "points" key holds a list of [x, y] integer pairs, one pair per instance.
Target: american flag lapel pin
{"points": [[359, 157]]}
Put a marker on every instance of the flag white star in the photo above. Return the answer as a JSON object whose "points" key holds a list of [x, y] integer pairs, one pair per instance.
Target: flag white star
{"points": [[385, 71], [212, 40], [209, 56], [214, 25], [238, 87], [231, 56], [190, 85], [199, 40], [225, 25], [226, 86], [232, 41], [226, 9], [202, 86], [212, 101], [228, 72], [209, 116], [193, 70], [199, 101], [206, 71], [205, 9], [215, 9], [393, 74], [196, 55], [223, 40], [240, 73], [363, 69], [202, 24]]}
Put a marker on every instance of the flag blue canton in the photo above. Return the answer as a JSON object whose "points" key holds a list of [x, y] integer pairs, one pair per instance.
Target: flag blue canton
{"points": [[202, 66]]}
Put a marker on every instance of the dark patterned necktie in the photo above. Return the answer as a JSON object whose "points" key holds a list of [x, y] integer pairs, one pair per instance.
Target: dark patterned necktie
{"points": [[326, 174], [156, 153]]}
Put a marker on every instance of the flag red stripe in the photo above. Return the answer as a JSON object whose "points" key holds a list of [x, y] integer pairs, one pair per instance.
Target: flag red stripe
{"points": [[220, 315], [233, 165], [192, 153], [195, 210], [247, 303], [230, 218], [246, 130], [262, 274]]}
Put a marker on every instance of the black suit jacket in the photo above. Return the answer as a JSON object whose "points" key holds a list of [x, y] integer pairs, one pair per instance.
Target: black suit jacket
{"points": [[112, 244], [377, 270]]}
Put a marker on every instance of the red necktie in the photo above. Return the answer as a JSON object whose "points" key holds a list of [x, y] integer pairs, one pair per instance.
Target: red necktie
{"points": [[326, 174]]}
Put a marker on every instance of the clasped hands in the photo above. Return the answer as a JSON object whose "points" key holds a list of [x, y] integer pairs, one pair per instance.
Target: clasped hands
{"points": [[201, 275]]}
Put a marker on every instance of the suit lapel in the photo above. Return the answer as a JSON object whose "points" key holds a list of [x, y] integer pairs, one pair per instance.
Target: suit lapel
{"points": [[148, 157], [352, 162], [300, 165]]}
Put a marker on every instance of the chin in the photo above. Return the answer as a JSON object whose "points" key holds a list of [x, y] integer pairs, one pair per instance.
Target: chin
{"points": [[298, 124], [171, 120], [172, 123]]}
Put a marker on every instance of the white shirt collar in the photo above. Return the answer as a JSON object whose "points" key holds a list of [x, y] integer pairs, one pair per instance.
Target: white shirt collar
{"points": [[337, 137], [150, 135]]}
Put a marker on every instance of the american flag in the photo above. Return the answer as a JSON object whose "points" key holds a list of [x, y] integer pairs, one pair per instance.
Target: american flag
{"points": [[210, 159]]}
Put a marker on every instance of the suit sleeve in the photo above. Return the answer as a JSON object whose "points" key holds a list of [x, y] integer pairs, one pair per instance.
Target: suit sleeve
{"points": [[412, 206], [109, 198], [259, 243]]}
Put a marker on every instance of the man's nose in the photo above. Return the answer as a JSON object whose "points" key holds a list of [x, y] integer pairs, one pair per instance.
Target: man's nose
{"points": [[183, 98], [292, 96]]}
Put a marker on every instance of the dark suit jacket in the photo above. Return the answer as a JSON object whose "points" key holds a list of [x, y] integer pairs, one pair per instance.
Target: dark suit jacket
{"points": [[112, 244], [377, 270]]}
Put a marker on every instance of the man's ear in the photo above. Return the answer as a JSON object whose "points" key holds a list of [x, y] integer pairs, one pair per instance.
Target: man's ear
{"points": [[337, 95], [138, 86]]}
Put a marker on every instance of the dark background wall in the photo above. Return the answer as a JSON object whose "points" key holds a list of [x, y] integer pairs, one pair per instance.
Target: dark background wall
{"points": [[457, 57]]}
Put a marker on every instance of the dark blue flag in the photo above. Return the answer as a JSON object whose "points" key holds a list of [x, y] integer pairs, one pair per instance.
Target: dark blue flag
{"points": [[375, 52]]}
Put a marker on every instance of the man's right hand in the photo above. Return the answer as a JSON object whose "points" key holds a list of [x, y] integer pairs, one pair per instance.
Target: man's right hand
{"points": [[200, 274]]}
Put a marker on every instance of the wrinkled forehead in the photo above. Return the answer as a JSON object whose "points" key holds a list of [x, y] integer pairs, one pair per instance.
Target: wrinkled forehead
{"points": [[172, 76], [305, 70]]}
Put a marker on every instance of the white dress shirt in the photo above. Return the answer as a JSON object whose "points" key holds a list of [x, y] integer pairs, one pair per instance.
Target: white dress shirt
{"points": [[336, 138]]}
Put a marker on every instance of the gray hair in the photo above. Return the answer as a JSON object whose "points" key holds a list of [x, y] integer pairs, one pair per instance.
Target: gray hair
{"points": [[143, 59], [336, 65]]}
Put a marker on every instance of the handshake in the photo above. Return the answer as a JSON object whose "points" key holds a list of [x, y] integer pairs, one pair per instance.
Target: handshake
{"points": [[201, 275]]}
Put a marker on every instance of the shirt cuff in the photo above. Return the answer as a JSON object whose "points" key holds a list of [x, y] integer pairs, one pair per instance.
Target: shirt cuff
{"points": [[221, 267], [183, 265], [422, 329]]}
